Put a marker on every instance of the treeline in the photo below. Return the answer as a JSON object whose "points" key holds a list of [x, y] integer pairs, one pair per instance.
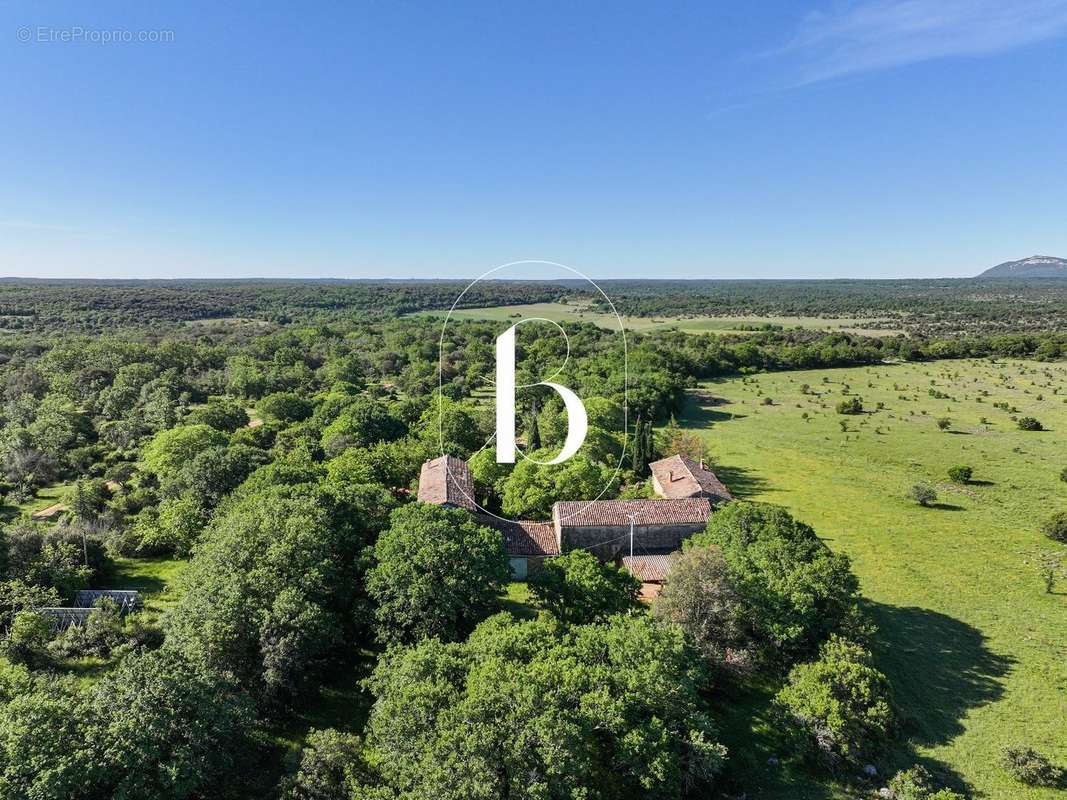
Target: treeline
{"points": [[927, 307], [920, 307], [709, 355], [98, 306]]}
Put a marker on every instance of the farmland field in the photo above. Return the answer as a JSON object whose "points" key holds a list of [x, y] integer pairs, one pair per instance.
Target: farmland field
{"points": [[974, 646], [574, 312]]}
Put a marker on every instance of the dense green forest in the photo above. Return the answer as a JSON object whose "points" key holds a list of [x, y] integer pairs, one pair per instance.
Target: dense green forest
{"points": [[926, 307], [263, 441]]}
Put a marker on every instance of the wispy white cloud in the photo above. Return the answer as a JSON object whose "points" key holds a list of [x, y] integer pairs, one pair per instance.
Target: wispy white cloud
{"points": [[878, 34]]}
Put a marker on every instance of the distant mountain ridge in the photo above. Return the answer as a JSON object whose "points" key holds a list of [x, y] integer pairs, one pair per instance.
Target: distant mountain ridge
{"points": [[1032, 267]]}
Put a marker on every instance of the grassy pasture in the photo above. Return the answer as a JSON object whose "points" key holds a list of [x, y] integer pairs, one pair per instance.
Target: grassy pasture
{"points": [[975, 648], [573, 312]]}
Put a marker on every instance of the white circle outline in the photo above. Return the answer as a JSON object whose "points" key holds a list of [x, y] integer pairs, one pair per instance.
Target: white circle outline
{"points": [[625, 379]]}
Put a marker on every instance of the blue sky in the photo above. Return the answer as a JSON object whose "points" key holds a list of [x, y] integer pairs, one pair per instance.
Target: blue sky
{"points": [[874, 138]]}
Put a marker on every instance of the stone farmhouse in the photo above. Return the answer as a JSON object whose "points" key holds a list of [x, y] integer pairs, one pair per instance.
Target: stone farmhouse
{"points": [[638, 535]]}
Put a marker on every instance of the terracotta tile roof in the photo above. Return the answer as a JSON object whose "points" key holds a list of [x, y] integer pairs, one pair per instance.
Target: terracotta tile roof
{"points": [[650, 569], [579, 513], [447, 480], [524, 538], [680, 476]]}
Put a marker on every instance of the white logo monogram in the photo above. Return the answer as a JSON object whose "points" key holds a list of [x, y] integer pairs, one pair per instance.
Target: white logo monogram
{"points": [[577, 421]]}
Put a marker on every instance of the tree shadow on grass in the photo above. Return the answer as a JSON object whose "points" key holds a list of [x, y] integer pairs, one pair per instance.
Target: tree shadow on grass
{"points": [[701, 409], [741, 482], [945, 507], [940, 668]]}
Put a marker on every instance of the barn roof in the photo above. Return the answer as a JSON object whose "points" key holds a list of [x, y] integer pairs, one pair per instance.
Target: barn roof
{"points": [[524, 538], [680, 476], [578, 513], [447, 480], [128, 599], [650, 569]]}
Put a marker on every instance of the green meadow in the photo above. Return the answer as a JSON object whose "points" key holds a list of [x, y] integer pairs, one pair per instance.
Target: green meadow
{"points": [[975, 647], [575, 312]]}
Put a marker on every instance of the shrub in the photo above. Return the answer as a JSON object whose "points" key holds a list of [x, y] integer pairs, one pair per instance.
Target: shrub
{"points": [[1030, 424], [923, 493], [1028, 766], [839, 704], [911, 784], [27, 641], [960, 474], [1055, 527], [1063, 474], [853, 405], [330, 763], [944, 423]]}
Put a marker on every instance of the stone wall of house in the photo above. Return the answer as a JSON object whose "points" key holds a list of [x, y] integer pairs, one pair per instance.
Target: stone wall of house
{"points": [[523, 567], [607, 542]]}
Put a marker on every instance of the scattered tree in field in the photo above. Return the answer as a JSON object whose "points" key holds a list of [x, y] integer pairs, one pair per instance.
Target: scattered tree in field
{"points": [[624, 697], [960, 473], [1030, 424], [577, 589], [703, 600], [840, 704], [944, 424], [1029, 766], [437, 573], [1063, 474], [923, 493], [851, 405], [1049, 565], [1055, 527]]}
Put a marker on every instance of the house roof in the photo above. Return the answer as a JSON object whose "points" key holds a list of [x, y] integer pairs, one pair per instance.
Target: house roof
{"points": [[524, 538], [680, 476], [447, 480], [650, 569], [684, 511]]}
